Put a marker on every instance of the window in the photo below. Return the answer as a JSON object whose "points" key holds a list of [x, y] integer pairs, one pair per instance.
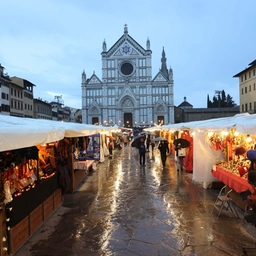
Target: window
{"points": [[111, 63], [143, 91], [111, 116], [143, 115], [111, 101], [246, 107], [120, 89], [142, 62], [143, 100], [243, 108], [254, 72], [250, 89], [254, 86], [245, 89], [111, 92], [250, 106], [111, 73], [249, 74], [245, 76], [160, 90], [142, 72]]}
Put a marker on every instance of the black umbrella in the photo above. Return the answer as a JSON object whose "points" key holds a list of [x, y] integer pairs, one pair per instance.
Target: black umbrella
{"points": [[136, 139], [182, 143]]}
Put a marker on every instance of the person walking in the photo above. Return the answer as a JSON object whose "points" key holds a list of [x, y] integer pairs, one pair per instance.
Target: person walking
{"points": [[142, 151], [152, 146], [148, 142], [163, 148], [110, 148], [179, 157]]}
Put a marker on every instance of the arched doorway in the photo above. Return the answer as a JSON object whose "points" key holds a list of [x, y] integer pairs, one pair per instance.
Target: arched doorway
{"points": [[95, 120], [128, 120], [160, 120]]}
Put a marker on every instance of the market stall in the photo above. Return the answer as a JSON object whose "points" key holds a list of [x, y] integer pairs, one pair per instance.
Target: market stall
{"points": [[36, 168], [212, 142]]}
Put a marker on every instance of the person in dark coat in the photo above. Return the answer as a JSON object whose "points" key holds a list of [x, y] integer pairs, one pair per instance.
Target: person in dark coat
{"points": [[110, 148], [142, 151], [164, 149], [148, 142], [152, 146]]}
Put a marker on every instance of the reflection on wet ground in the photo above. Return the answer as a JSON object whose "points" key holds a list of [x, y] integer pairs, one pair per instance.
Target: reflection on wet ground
{"points": [[124, 209]]}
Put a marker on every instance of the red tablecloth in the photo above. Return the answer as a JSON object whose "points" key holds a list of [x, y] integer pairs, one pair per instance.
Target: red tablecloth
{"points": [[233, 180]]}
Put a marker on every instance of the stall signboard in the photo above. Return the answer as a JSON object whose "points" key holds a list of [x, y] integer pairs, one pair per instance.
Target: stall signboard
{"points": [[92, 151]]}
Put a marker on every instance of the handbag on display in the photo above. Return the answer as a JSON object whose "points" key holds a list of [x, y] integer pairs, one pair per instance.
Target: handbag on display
{"points": [[182, 152]]}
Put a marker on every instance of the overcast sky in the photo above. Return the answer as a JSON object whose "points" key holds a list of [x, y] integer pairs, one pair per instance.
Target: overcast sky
{"points": [[51, 42]]}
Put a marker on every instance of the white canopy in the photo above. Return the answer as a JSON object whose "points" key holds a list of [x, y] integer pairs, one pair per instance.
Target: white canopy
{"points": [[203, 156], [17, 132], [244, 123]]}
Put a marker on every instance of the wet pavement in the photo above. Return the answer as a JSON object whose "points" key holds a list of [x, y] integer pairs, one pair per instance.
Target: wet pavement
{"points": [[123, 209]]}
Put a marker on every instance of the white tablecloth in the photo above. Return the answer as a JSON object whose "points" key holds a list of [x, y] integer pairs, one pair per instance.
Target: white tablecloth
{"points": [[80, 165]]}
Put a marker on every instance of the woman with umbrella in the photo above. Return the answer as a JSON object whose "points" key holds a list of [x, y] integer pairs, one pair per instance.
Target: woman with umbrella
{"points": [[180, 148], [142, 150], [163, 148]]}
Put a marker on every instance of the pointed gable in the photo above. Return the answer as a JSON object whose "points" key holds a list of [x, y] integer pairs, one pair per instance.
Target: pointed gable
{"points": [[117, 53], [94, 108], [94, 80], [159, 77], [127, 93], [160, 106], [126, 45]]}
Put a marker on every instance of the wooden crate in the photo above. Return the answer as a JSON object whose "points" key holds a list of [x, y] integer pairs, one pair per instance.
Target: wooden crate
{"points": [[79, 176], [36, 218], [58, 198], [48, 207], [19, 234]]}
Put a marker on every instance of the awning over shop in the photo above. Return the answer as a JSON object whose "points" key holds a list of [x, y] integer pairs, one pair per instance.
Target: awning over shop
{"points": [[244, 123], [18, 132]]}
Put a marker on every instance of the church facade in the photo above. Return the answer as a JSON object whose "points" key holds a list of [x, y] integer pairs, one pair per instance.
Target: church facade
{"points": [[127, 95]]}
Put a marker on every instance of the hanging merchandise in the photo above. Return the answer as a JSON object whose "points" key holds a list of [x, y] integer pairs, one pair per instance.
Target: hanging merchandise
{"points": [[93, 147]]}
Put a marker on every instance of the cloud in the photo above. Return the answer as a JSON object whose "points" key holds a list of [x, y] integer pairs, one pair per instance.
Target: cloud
{"points": [[206, 42]]}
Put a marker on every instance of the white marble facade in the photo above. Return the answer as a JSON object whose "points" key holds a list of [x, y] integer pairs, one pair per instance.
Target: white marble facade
{"points": [[127, 95]]}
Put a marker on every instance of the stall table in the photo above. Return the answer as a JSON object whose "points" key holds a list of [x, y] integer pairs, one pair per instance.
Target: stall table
{"points": [[233, 181], [80, 171]]}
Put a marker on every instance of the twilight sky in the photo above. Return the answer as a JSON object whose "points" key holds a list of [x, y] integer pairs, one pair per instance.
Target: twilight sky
{"points": [[50, 43]]}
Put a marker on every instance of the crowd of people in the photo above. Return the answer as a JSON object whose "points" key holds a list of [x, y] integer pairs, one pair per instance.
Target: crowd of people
{"points": [[144, 144]]}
